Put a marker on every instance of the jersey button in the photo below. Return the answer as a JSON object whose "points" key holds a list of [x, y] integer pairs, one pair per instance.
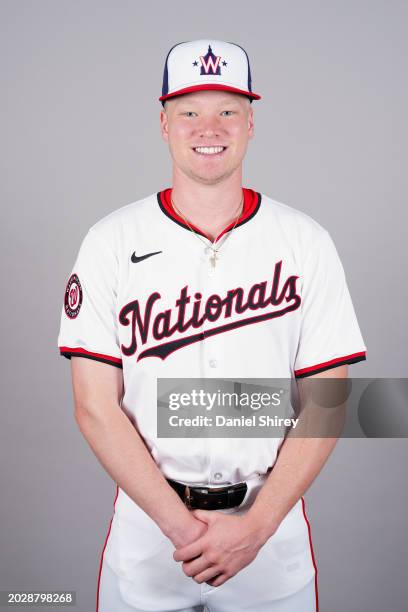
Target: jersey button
{"points": [[217, 475], [213, 363]]}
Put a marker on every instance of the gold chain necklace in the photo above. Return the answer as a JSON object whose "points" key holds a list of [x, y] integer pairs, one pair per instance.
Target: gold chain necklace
{"points": [[214, 258]]}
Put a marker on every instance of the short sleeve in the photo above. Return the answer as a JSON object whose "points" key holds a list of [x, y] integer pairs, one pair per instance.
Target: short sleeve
{"points": [[329, 335], [88, 325]]}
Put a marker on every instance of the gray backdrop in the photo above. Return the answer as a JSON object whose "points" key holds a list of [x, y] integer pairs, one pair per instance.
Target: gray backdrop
{"points": [[80, 138]]}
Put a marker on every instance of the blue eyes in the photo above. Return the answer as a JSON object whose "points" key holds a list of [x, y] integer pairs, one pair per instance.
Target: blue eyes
{"points": [[223, 113]]}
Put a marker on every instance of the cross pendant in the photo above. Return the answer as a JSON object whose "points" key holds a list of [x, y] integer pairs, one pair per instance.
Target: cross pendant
{"points": [[213, 259]]}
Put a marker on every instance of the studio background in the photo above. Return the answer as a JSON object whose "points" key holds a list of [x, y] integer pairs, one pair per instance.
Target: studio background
{"points": [[80, 138]]}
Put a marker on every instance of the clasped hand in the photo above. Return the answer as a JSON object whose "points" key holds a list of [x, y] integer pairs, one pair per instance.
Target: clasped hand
{"points": [[229, 544]]}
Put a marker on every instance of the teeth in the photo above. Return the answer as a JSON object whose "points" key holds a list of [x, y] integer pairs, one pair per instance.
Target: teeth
{"points": [[209, 150]]}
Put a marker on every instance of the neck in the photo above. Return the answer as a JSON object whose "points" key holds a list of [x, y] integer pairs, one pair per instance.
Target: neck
{"points": [[209, 207]]}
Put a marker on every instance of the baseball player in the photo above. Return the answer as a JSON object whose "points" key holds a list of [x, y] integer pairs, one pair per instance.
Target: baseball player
{"points": [[205, 279]]}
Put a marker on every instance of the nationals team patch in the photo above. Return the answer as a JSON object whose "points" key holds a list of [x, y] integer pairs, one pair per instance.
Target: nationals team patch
{"points": [[73, 297]]}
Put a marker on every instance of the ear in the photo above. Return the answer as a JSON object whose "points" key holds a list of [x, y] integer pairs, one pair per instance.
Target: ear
{"points": [[164, 125], [250, 121]]}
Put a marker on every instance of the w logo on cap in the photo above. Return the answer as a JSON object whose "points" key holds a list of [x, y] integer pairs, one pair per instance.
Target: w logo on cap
{"points": [[188, 68], [210, 63]]}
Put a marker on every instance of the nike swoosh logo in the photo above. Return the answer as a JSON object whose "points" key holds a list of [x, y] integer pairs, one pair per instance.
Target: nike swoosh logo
{"points": [[136, 259]]}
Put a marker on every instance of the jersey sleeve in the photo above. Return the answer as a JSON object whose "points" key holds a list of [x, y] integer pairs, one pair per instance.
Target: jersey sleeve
{"points": [[88, 325], [330, 335]]}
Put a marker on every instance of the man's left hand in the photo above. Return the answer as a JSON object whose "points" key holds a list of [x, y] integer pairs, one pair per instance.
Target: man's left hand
{"points": [[229, 544]]}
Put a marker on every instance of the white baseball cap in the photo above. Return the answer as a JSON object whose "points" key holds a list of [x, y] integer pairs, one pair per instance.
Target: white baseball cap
{"points": [[205, 64]]}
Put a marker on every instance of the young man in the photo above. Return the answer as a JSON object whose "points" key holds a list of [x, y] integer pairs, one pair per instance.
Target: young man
{"points": [[204, 280]]}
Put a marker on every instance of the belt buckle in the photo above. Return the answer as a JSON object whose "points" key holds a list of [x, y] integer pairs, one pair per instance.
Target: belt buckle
{"points": [[187, 497]]}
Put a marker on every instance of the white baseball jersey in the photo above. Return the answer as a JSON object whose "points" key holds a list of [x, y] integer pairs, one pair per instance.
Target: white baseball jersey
{"points": [[144, 296]]}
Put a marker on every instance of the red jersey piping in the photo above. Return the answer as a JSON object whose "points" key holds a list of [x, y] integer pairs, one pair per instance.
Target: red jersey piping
{"points": [[251, 204]]}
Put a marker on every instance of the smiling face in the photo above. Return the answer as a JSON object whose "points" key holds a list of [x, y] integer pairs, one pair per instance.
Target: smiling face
{"points": [[207, 133]]}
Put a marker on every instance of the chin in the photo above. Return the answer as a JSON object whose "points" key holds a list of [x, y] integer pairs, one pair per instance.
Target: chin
{"points": [[211, 176], [210, 179]]}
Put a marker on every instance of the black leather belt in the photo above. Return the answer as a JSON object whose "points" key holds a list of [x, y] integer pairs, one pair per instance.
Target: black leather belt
{"points": [[207, 498]]}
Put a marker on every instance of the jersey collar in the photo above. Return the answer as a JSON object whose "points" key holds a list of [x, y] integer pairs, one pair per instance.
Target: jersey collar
{"points": [[252, 202]]}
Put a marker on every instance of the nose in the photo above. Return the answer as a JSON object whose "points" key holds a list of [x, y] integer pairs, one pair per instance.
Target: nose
{"points": [[209, 127], [209, 132]]}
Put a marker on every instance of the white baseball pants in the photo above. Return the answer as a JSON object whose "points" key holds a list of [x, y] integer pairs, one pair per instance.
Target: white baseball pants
{"points": [[281, 578], [246, 593]]}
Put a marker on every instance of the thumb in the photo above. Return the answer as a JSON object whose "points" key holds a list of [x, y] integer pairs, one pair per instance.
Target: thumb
{"points": [[206, 516]]}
